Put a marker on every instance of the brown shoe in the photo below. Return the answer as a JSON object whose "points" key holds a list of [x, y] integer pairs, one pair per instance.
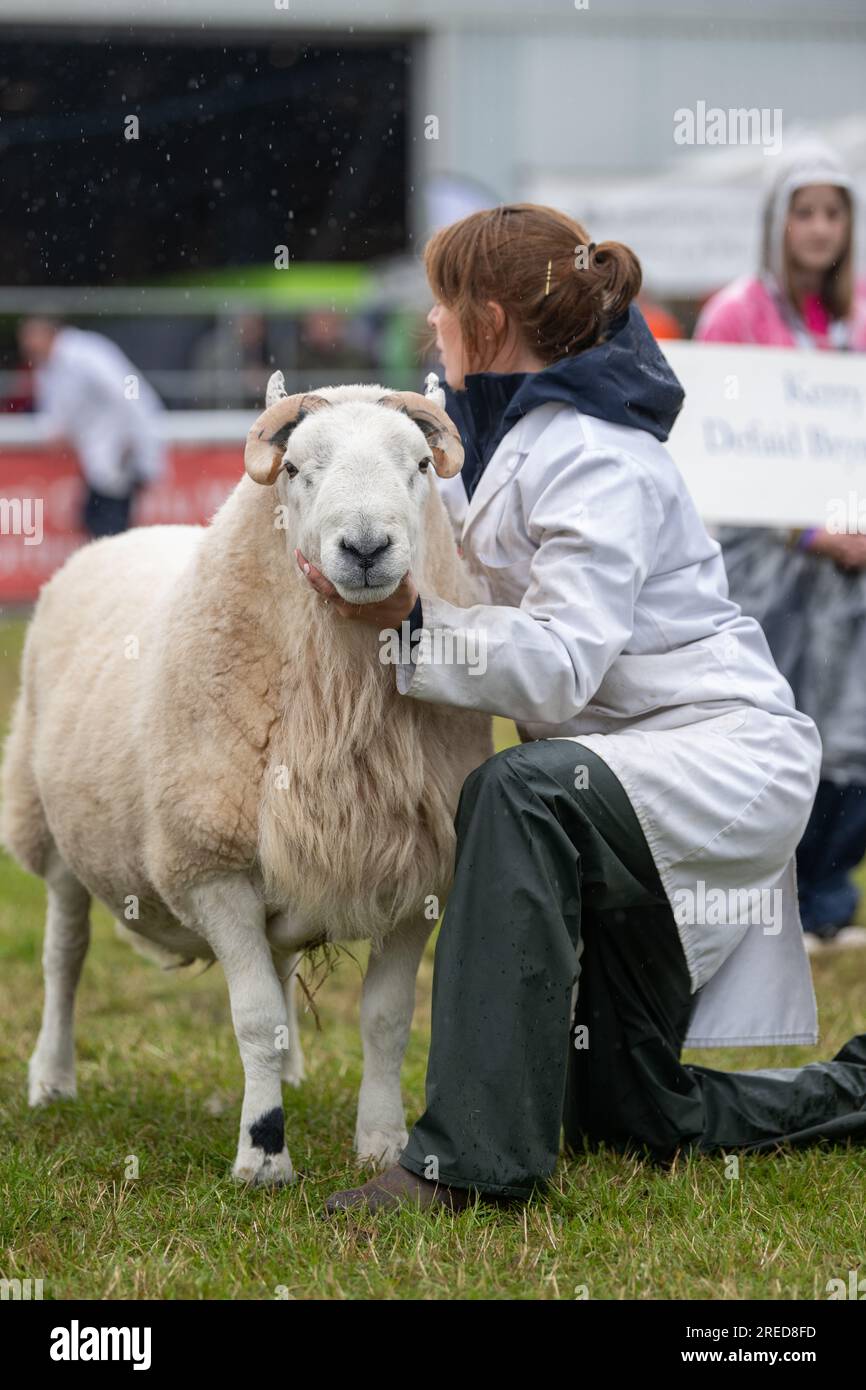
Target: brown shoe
{"points": [[395, 1187]]}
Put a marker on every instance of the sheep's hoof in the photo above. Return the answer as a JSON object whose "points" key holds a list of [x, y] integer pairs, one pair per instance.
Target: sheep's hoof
{"points": [[45, 1087], [256, 1169], [380, 1147]]}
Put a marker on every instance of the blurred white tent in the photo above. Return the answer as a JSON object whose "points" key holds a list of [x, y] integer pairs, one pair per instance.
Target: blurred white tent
{"points": [[696, 224], [446, 199]]}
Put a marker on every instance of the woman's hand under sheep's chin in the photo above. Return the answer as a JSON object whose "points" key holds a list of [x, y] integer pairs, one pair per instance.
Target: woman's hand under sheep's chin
{"points": [[389, 612]]}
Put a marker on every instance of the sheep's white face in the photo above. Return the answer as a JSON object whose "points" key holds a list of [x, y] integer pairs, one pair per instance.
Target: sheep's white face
{"points": [[356, 479]]}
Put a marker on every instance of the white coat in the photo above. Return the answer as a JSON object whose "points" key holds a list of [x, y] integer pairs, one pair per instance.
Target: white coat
{"points": [[94, 397], [608, 622]]}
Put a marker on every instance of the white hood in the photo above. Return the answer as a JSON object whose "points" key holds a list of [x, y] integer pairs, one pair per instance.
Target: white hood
{"points": [[807, 162]]}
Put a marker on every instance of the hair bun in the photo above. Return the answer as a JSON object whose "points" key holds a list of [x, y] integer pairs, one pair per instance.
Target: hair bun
{"points": [[620, 276]]}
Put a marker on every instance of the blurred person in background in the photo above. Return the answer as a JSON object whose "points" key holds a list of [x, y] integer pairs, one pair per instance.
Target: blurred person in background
{"points": [[325, 344], [660, 322], [808, 588], [96, 400], [231, 362]]}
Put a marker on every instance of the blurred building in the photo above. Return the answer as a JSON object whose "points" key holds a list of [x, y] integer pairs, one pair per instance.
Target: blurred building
{"points": [[170, 156]]}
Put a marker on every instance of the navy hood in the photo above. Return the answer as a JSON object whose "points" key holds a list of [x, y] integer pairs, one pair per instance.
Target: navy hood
{"points": [[626, 380]]}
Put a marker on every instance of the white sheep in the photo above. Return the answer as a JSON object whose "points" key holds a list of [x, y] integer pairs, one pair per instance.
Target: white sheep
{"points": [[203, 744]]}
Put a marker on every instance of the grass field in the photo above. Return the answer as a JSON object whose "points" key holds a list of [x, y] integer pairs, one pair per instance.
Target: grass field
{"points": [[160, 1081]]}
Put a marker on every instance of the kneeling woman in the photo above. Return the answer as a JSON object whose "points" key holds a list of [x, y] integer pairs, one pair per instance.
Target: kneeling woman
{"points": [[624, 882]]}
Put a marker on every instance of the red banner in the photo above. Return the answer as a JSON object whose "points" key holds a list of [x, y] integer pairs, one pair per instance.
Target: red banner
{"points": [[42, 492]]}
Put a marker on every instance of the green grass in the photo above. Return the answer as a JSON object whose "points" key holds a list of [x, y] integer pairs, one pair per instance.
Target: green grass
{"points": [[160, 1081]]}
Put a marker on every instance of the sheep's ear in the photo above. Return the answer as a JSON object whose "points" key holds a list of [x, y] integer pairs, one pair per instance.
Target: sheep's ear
{"points": [[267, 440], [440, 431], [276, 390]]}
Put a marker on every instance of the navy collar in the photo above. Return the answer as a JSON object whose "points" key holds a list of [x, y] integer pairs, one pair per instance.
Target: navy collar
{"points": [[480, 412], [625, 380]]}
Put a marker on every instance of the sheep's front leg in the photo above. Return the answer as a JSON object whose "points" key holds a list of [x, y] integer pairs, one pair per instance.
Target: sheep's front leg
{"points": [[387, 1005], [67, 936], [231, 917]]}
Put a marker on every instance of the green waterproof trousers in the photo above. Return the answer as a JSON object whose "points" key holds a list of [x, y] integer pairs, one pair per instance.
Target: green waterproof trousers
{"points": [[554, 882]]}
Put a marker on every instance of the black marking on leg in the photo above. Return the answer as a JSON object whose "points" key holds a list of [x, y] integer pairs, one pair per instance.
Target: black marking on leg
{"points": [[268, 1132]]}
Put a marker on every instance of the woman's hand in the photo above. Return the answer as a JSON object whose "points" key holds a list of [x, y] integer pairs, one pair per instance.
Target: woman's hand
{"points": [[389, 613], [848, 550]]}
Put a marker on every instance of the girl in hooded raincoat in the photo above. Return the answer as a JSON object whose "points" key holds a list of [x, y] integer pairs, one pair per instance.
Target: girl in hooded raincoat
{"points": [[808, 588], [623, 877]]}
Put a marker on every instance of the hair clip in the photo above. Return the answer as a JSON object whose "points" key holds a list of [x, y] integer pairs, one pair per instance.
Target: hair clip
{"points": [[547, 286]]}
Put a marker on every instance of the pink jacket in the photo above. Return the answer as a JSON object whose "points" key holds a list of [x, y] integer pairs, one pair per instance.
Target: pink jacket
{"points": [[746, 312]]}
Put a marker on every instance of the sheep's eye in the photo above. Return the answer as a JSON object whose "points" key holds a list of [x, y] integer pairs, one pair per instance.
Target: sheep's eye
{"points": [[424, 465], [290, 470]]}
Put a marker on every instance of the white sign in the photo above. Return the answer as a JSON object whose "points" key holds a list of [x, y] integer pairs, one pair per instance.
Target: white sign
{"points": [[770, 436], [690, 239]]}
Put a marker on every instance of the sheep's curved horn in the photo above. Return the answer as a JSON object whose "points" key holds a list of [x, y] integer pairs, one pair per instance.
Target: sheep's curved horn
{"points": [[267, 439], [439, 429]]}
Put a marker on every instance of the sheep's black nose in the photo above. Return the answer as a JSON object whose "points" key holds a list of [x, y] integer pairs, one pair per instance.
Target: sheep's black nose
{"points": [[366, 552]]}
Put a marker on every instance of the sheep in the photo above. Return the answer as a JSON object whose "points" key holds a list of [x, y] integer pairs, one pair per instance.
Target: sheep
{"points": [[220, 757]]}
